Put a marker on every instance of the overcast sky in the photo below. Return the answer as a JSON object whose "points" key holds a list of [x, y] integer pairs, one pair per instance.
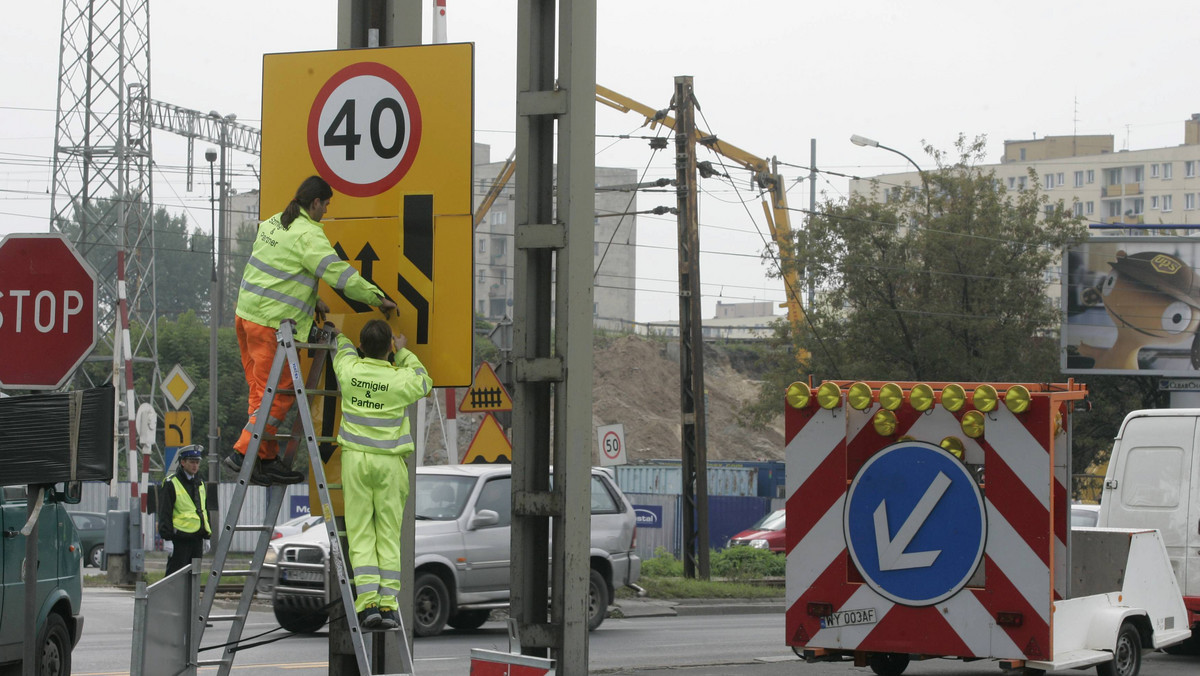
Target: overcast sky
{"points": [[769, 75]]}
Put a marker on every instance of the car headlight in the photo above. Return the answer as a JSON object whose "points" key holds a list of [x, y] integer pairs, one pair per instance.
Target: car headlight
{"points": [[271, 556], [759, 543]]}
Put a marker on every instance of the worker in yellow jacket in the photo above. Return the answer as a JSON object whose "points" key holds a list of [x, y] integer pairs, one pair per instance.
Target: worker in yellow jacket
{"points": [[375, 439], [291, 254], [183, 510]]}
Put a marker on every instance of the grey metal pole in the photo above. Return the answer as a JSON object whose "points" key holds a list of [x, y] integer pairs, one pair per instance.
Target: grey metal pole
{"points": [[214, 300], [812, 211]]}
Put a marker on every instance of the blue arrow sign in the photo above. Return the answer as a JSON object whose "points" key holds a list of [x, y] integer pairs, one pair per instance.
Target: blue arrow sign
{"points": [[915, 523]]}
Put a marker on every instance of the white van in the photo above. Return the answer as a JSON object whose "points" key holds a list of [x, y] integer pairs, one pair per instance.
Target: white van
{"points": [[1153, 481]]}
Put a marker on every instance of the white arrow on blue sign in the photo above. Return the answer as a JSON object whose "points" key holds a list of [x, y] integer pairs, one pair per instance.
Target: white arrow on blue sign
{"points": [[915, 523]]}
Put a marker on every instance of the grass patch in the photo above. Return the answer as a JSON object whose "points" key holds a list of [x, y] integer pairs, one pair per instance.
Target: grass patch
{"points": [[683, 588], [740, 572]]}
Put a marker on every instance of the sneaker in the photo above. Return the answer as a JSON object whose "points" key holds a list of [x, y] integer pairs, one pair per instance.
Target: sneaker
{"points": [[369, 617], [391, 619], [277, 473]]}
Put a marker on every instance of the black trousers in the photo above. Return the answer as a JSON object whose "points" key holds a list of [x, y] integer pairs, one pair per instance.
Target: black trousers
{"points": [[188, 546]]}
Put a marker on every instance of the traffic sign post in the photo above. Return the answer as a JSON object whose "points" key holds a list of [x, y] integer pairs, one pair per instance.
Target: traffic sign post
{"points": [[391, 130], [48, 296]]}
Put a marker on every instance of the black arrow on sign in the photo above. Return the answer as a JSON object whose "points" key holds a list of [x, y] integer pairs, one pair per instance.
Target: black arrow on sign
{"points": [[420, 303], [366, 258]]}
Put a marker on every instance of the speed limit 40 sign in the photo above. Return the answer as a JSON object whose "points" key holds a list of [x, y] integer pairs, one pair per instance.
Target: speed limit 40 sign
{"points": [[391, 131]]}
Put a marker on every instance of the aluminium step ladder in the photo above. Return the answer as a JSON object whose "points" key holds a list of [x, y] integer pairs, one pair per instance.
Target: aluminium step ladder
{"points": [[286, 356]]}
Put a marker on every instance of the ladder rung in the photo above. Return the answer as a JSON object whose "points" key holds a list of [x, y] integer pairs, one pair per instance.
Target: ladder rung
{"points": [[334, 487], [238, 572], [263, 528], [313, 390], [223, 618], [320, 440], [212, 663], [315, 346]]}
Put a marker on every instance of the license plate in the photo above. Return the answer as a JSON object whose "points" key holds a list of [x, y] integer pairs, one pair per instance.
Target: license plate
{"points": [[300, 575], [846, 618]]}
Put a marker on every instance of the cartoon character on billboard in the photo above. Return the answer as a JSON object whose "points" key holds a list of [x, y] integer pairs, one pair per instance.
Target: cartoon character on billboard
{"points": [[1153, 298]]}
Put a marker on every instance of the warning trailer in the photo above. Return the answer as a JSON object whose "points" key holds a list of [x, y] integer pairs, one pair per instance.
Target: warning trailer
{"points": [[931, 520]]}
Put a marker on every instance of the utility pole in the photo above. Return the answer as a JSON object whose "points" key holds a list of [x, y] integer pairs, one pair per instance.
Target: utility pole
{"points": [[691, 339], [812, 212]]}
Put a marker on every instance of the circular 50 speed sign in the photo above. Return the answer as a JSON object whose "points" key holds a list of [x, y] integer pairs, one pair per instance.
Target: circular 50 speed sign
{"points": [[364, 129]]}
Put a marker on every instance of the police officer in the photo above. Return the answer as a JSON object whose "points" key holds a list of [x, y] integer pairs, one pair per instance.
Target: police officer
{"points": [[375, 439], [290, 254], [183, 510]]}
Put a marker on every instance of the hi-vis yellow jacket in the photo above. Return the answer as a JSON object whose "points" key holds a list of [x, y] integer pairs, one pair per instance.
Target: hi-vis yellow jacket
{"points": [[280, 281], [375, 395]]}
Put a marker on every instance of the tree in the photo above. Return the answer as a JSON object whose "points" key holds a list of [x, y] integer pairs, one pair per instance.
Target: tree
{"points": [[955, 289]]}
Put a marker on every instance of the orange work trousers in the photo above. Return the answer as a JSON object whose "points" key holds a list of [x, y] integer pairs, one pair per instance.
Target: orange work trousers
{"points": [[257, 343]]}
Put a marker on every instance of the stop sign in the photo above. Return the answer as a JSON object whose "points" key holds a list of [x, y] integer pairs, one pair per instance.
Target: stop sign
{"points": [[47, 311]]}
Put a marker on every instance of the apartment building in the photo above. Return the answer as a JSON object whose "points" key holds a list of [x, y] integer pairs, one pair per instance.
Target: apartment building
{"points": [[614, 250], [1155, 186]]}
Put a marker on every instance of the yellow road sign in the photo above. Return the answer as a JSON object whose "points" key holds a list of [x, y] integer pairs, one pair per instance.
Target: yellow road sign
{"points": [[177, 428], [177, 387], [486, 393], [391, 131], [490, 445]]}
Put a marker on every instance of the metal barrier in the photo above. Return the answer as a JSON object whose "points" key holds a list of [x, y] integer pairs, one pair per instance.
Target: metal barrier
{"points": [[167, 646]]}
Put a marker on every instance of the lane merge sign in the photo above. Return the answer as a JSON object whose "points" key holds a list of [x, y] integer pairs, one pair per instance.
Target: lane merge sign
{"points": [[915, 523]]}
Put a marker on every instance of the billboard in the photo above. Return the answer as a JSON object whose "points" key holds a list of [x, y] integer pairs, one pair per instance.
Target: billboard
{"points": [[1132, 306]]}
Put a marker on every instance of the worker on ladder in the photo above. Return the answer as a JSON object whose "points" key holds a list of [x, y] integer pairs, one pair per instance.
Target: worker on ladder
{"points": [[375, 439], [290, 254]]}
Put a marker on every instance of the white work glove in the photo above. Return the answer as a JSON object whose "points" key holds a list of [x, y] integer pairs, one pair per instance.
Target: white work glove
{"points": [[168, 547], [207, 546]]}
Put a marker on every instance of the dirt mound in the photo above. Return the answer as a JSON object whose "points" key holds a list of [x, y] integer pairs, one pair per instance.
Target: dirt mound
{"points": [[636, 384]]}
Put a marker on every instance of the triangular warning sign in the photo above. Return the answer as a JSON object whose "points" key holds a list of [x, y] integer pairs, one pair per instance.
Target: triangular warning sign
{"points": [[486, 393], [490, 445]]}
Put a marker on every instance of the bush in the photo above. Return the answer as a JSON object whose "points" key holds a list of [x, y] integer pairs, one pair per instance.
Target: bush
{"points": [[746, 563], [664, 564]]}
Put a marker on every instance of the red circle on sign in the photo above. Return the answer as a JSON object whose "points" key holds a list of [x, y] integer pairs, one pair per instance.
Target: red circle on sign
{"points": [[47, 310], [393, 78], [616, 446]]}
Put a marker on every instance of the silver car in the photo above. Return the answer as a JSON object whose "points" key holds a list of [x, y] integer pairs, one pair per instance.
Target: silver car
{"points": [[461, 566]]}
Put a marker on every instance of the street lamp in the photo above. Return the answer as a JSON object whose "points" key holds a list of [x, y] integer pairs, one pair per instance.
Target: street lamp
{"points": [[214, 301], [864, 141]]}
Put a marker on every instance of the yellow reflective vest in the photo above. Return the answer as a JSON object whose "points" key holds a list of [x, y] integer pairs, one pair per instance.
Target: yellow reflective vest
{"points": [[280, 280], [186, 518], [375, 395]]}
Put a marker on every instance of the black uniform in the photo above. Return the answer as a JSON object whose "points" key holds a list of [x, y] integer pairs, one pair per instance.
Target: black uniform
{"points": [[188, 546]]}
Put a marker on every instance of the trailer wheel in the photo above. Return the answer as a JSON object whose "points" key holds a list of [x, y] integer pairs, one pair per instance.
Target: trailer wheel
{"points": [[888, 664], [1127, 654]]}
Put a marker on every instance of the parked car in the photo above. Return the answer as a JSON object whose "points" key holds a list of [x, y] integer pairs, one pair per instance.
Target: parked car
{"points": [[1084, 515], [461, 561], [768, 532], [91, 527], [297, 525]]}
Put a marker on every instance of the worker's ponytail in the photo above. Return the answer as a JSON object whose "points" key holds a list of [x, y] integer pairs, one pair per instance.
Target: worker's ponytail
{"points": [[313, 187]]}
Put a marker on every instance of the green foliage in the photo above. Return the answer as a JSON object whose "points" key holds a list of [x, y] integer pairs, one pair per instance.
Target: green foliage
{"points": [[683, 588], [949, 289], [663, 564], [746, 563]]}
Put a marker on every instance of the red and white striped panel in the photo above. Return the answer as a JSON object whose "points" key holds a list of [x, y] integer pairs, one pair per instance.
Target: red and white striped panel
{"points": [[825, 450]]}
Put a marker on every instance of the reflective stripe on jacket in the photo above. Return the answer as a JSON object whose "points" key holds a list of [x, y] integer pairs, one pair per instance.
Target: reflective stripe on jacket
{"points": [[186, 518], [375, 395], [280, 279]]}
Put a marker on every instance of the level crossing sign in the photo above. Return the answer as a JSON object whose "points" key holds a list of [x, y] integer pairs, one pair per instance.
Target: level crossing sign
{"points": [[915, 523], [391, 131]]}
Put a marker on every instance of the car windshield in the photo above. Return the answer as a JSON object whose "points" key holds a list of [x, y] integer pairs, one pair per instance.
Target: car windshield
{"points": [[441, 497], [772, 521]]}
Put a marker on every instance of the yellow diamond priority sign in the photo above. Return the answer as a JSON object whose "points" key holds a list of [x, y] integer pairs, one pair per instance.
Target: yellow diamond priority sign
{"points": [[177, 386]]}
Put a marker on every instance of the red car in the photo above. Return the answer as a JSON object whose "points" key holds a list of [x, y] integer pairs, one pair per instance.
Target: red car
{"points": [[769, 532]]}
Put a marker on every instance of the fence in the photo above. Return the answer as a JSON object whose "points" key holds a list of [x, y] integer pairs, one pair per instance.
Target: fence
{"points": [[95, 499]]}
